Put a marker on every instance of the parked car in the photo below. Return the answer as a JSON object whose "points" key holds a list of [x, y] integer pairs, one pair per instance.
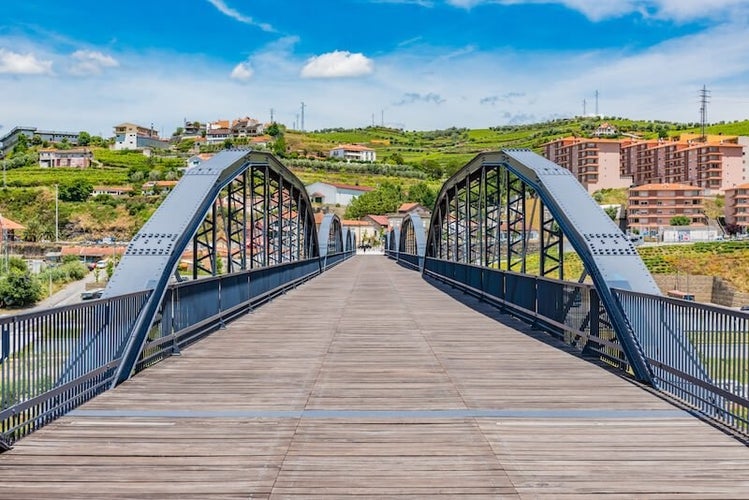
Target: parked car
{"points": [[92, 294], [745, 307], [102, 264]]}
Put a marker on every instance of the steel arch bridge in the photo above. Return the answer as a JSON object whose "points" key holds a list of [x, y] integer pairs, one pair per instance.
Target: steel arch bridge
{"points": [[239, 230], [499, 229]]}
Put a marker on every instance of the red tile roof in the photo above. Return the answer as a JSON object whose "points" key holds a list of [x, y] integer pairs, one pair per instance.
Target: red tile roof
{"points": [[10, 224], [380, 219], [408, 206], [353, 147]]}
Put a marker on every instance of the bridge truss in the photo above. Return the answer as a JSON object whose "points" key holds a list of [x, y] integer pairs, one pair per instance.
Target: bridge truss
{"points": [[499, 229]]}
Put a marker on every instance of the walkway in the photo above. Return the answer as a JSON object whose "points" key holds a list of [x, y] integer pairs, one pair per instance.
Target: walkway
{"points": [[370, 382]]}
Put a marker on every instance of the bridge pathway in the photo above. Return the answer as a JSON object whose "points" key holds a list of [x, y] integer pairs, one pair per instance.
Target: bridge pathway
{"points": [[368, 381]]}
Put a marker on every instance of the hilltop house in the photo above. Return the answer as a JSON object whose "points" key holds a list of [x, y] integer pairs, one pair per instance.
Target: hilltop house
{"points": [[80, 158], [335, 194], [354, 152], [131, 136]]}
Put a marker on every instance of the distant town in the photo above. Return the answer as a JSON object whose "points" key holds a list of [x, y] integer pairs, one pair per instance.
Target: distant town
{"points": [[669, 181]]}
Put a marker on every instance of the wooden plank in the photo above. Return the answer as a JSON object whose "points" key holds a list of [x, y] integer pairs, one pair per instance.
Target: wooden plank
{"points": [[368, 381]]}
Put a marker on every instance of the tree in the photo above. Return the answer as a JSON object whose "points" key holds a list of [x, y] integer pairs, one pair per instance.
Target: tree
{"points": [[279, 146], [396, 159], [432, 168], [36, 140], [84, 138], [612, 212], [76, 190], [19, 289], [386, 198], [228, 143], [680, 220], [273, 130], [423, 194], [22, 144]]}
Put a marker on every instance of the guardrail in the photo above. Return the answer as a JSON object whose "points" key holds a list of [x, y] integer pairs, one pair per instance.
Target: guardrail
{"points": [[573, 313], [55, 360], [720, 339], [194, 309], [52, 361]]}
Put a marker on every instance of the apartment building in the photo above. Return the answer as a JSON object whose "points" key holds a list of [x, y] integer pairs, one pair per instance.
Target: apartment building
{"points": [[737, 206], [595, 162], [10, 139], [652, 206], [714, 166]]}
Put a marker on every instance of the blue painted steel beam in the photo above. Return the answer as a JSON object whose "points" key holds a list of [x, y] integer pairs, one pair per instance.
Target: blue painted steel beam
{"points": [[607, 253], [154, 253]]}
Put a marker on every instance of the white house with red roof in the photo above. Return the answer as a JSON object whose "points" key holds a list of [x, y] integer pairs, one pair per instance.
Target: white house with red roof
{"points": [[330, 193], [355, 152]]}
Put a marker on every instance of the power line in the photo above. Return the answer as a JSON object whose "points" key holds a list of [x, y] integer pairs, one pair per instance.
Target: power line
{"points": [[704, 99]]}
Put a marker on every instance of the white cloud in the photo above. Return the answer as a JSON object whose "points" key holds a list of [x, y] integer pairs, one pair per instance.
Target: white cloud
{"points": [[89, 62], [14, 63], [597, 10], [237, 16], [242, 72], [337, 64], [504, 87]]}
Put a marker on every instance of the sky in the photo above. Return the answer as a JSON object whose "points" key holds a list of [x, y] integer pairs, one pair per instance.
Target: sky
{"points": [[410, 64]]}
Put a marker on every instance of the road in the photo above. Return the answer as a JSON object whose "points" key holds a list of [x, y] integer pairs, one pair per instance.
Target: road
{"points": [[71, 294]]}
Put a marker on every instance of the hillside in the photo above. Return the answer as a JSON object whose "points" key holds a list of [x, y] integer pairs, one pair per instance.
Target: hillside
{"points": [[404, 157]]}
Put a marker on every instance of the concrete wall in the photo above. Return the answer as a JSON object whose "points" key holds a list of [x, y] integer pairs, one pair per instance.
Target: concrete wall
{"points": [[707, 289]]}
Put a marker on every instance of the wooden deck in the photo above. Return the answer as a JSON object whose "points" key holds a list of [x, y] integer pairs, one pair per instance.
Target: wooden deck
{"points": [[369, 382]]}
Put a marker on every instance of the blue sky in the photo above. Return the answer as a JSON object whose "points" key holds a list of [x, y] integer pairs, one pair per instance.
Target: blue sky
{"points": [[414, 64]]}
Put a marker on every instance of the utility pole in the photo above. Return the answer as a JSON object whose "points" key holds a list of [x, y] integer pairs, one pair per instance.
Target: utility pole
{"points": [[382, 118], [704, 99], [57, 214], [271, 115], [585, 107], [303, 106], [372, 119], [597, 103]]}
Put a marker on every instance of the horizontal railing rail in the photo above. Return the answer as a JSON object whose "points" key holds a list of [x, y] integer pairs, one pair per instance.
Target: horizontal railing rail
{"points": [[572, 312], [54, 360], [719, 337], [192, 310]]}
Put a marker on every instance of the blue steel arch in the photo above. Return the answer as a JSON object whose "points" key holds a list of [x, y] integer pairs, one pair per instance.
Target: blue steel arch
{"points": [[281, 218], [412, 241], [330, 235], [608, 255], [392, 240]]}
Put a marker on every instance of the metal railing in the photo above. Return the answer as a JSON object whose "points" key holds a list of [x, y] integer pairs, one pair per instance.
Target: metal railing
{"points": [[55, 360], [572, 312], [52, 361], [718, 337], [194, 309]]}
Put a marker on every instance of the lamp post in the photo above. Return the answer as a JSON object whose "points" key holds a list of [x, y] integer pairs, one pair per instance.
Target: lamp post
{"points": [[57, 213]]}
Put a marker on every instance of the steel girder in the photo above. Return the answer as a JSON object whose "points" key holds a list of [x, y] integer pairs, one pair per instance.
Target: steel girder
{"points": [[280, 228], [412, 236], [506, 178], [330, 235]]}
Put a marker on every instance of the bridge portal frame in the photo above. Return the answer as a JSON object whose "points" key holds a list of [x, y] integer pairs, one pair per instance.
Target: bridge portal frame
{"points": [[502, 181], [282, 229]]}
